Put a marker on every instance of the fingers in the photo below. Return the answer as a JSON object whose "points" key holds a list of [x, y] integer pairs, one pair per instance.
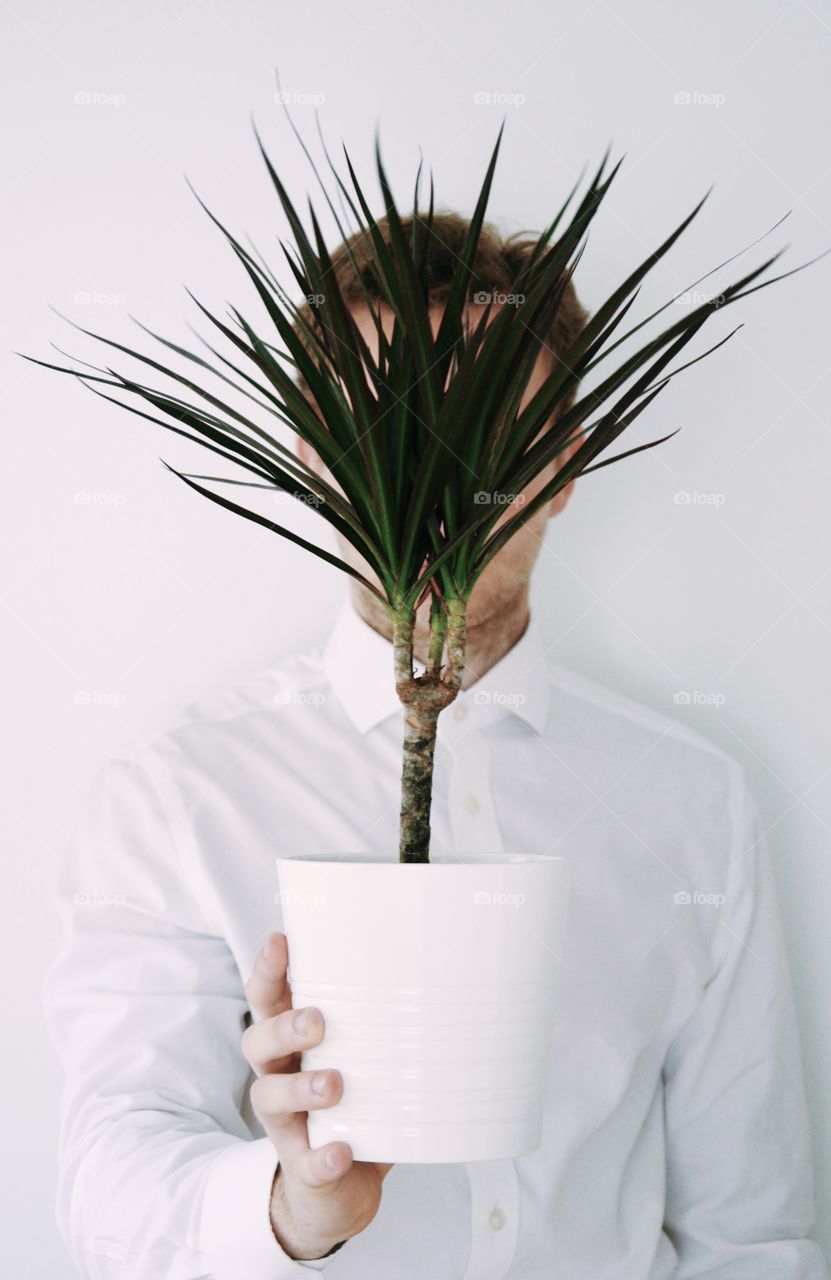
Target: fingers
{"points": [[277, 1098], [321, 1167], [282, 1102], [272, 1045], [292, 1134], [267, 990]]}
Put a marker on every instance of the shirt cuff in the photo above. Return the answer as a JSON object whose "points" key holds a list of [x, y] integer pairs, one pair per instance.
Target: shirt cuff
{"points": [[236, 1238]]}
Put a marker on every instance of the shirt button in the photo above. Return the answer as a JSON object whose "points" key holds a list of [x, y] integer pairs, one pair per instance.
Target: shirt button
{"points": [[471, 803], [496, 1219], [459, 711]]}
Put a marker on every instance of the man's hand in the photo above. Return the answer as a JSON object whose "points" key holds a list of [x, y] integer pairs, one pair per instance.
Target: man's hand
{"points": [[319, 1197]]}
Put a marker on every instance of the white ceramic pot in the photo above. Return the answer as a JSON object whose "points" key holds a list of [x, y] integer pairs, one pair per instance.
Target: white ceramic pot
{"points": [[437, 984]]}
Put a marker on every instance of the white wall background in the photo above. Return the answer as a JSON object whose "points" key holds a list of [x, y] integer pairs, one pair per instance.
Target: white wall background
{"points": [[144, 603]]}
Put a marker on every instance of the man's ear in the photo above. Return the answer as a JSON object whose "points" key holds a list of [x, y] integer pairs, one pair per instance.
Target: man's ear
{"points": [[560, 500], [306, 453], [309, 456]]}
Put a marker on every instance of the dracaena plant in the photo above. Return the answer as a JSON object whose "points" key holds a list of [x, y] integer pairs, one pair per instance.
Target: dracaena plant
{"points": [[413, 429]]}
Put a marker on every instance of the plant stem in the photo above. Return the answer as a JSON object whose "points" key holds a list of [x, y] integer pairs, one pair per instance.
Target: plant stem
{"points": [[417, 782], [438, 632], [424, 697]]}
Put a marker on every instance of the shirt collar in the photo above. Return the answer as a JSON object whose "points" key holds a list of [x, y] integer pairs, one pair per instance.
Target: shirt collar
{"points": [[358, 663]]}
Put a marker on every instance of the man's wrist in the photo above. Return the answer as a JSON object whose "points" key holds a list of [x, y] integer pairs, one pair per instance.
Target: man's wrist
{"points": [[295, 1247]]}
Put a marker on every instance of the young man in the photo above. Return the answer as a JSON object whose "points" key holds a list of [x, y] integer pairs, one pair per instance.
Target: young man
{"points": [[675, 1139]]}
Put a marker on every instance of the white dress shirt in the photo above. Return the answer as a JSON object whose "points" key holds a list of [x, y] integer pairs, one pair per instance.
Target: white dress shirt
{"points": [[675, 1139]]}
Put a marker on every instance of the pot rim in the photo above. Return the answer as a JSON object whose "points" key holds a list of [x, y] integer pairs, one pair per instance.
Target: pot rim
{"points": [[453, 860]]}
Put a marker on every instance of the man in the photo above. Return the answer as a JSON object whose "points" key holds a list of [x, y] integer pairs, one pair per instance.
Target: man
{"points": [[675, 1139]]}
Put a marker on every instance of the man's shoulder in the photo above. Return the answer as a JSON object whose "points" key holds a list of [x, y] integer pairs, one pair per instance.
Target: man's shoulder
{"points": [[233, 707], [654, 743]]}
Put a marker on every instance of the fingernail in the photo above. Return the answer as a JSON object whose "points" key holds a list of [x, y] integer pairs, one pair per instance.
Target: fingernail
{"points": [[300, 1022], [332, 1159], [319, 1081]]}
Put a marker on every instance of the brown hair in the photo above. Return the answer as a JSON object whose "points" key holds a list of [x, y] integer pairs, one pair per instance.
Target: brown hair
{"points": [[496, 265]]}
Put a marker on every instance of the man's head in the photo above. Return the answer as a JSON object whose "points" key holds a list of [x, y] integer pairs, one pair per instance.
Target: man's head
{"points": [[504, 583]]}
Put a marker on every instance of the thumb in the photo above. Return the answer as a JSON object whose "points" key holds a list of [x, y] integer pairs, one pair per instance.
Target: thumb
{"points": [[267, 990]]}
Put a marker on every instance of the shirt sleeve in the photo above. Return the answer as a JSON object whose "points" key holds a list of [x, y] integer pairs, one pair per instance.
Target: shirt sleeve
{"points": [[739, 1190], [159, 1174]]}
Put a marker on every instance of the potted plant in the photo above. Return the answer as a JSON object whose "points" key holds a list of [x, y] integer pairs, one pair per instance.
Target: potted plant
{"points": [[443, 1050]]}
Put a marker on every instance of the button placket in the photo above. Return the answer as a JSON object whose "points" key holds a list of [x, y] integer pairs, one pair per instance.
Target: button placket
{"points": [[473, 823], [494, 1211]]}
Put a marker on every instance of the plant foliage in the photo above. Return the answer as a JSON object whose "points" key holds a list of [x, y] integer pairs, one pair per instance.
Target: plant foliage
{"points": [[415, 429]]}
